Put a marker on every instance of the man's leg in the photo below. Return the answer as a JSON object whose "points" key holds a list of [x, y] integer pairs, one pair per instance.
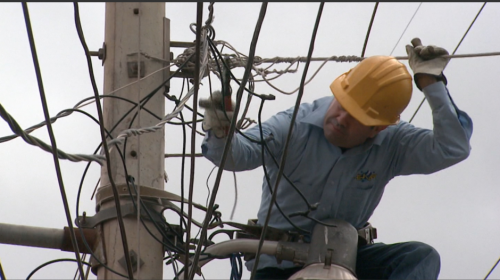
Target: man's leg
{"points": [[409, 260]]}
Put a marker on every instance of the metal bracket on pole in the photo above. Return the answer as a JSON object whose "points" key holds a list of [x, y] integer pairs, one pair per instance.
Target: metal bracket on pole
{"points": [[150, 196], [106, 193], [101, 53], [128, 209]]}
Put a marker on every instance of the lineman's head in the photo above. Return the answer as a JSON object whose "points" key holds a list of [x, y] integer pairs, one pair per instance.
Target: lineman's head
{"points": [[368, 98]]}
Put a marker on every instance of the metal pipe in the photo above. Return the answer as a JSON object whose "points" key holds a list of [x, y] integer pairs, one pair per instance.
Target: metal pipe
{"points": [[51, 238]]}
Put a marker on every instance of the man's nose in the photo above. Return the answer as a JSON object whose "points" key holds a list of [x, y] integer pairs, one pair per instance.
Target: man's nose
{"points": [[343, 119]]}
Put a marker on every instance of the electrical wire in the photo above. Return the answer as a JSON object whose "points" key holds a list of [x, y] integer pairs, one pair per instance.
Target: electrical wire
{"points": [[16, 128], [2, 274], [31, 38], [285, 150], [404, 31], [141, 103], [263, 142], [369, 29], [491, 270], [105, 146], [55, 261], [229, 137], [197, 78], [454, 51]]}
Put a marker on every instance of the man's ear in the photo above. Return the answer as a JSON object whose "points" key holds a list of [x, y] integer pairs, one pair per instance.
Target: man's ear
{"points": [[377, 129]]}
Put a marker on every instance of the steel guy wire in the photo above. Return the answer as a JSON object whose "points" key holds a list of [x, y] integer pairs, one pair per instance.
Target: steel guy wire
{"points": [[404, 31], [105, 145], [369, 29], [454, 51], [229, 138], [287, 142], [38, 73]]}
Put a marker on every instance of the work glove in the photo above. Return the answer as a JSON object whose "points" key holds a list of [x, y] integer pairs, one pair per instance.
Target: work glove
{"points": [[217, 119], [427, 60]]}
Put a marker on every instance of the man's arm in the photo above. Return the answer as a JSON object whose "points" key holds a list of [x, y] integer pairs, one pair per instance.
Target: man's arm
{"points": [[422, 150], [424, 80], [247, 154]]}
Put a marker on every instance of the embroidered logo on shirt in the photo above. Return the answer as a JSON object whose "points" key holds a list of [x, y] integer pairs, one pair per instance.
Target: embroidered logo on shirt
{"points": [[364, 176]]}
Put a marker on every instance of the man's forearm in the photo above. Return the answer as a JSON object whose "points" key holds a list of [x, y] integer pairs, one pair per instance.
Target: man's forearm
{"points": [[424, 80]]}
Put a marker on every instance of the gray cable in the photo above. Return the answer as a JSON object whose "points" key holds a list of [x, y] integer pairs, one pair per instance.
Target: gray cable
{"points": [[14, 126], [404, 31]]}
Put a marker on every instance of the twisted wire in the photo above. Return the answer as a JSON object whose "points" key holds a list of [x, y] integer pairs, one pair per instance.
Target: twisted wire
{"points": [[138, 131], [14, 126]]}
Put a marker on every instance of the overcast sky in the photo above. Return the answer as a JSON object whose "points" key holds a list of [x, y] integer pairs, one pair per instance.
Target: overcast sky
{"points": [[456, 210]]}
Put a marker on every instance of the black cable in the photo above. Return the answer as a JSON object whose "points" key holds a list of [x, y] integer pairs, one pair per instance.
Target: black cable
{"points": [[171, 246], [369, 30], [84, 240], [2, 274], [55, 261], [285, 150], [31, 38], [454, 51], [491, 270], [141, 103], [65, 113], [105, 145], [16, 128], [229, 137], [184, 122], [266, 174], [183, 165], [262, 142], [199, 17]]}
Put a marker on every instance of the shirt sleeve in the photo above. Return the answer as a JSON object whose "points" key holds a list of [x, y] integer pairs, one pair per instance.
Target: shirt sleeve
{"points": [[424, 151], [246, 153]]}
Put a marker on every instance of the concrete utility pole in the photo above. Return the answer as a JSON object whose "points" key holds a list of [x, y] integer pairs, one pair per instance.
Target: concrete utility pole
{"points": [[133, 28]]}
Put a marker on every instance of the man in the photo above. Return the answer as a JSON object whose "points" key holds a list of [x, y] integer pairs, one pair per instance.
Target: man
{"points": [[345, 148]]}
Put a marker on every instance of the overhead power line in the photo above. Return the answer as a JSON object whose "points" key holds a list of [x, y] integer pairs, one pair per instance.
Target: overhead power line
{"points": [[69, 220], [369, 29], [453, 54]]}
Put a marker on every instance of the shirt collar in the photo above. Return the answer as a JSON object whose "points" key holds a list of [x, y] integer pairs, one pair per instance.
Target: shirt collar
{"points": [[317, 116]]}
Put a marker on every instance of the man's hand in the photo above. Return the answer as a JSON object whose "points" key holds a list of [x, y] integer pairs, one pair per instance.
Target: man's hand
{"points": [[426, 61], [216, 118]]}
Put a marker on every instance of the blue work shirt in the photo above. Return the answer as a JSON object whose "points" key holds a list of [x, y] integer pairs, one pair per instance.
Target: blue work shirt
{"points": [[348, 185]]}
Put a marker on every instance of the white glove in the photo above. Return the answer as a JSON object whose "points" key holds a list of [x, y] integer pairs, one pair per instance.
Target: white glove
{"points": [[427, 59], [216, 119]]}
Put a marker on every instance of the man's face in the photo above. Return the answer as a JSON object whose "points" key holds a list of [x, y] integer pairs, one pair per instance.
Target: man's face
{"points": [[342, 130]]}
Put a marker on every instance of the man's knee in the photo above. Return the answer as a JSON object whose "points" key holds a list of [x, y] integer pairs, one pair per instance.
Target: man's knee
{"points": [[426, 252], [426, 261]]}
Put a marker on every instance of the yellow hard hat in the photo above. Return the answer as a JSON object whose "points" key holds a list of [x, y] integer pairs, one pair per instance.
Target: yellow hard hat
{"points": [[376, 91]]}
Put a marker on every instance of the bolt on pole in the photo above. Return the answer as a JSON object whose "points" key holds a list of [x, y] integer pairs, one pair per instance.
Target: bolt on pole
{"points": [[131, 29]]}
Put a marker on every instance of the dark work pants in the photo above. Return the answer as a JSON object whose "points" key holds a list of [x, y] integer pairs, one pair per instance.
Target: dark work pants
{"points": [[408, 260]]}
